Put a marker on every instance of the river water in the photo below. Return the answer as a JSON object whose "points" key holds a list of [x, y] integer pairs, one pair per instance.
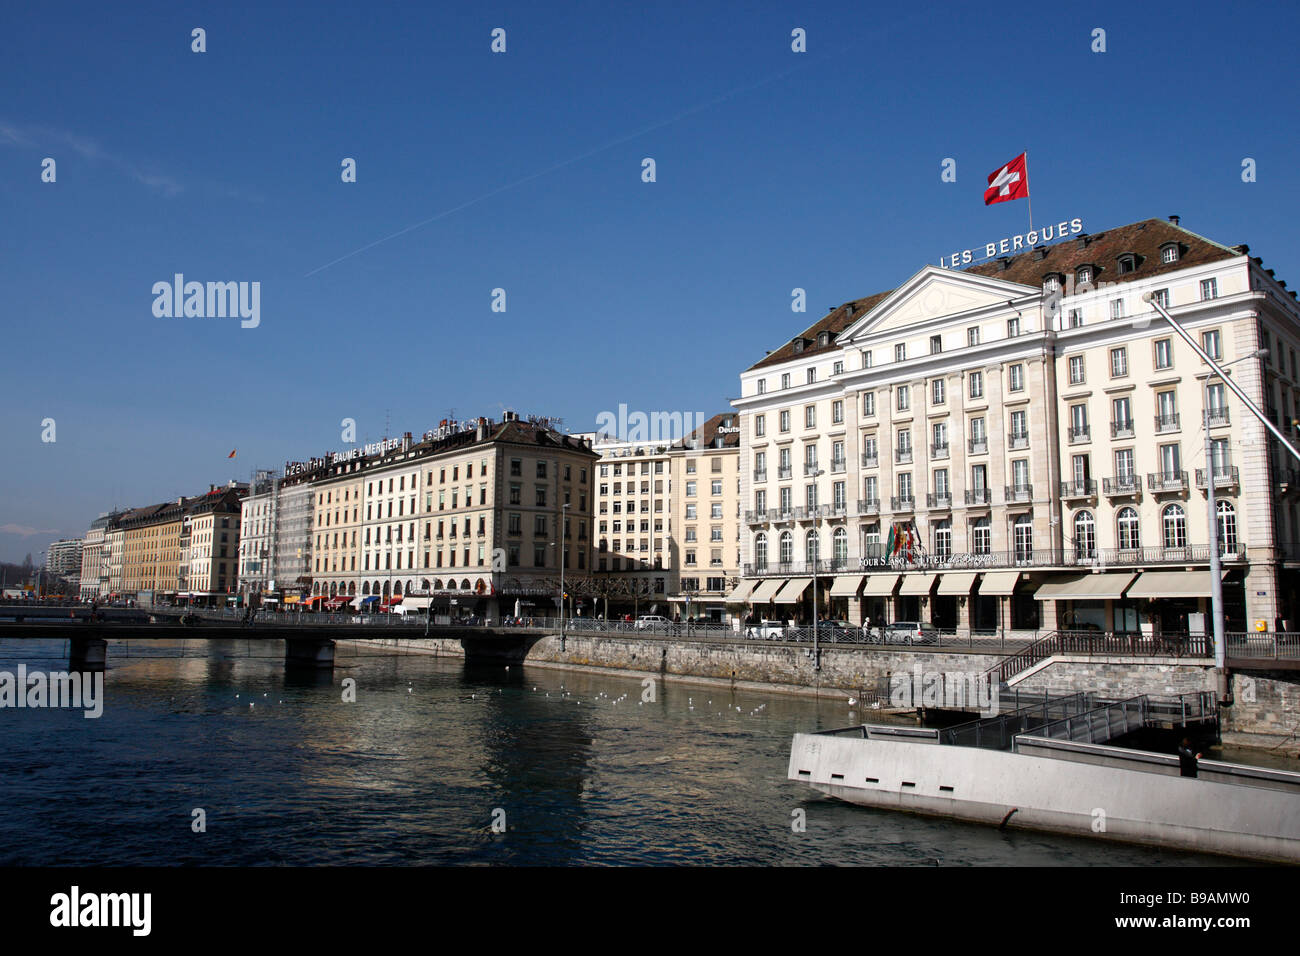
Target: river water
{"points": [[430, 755]]}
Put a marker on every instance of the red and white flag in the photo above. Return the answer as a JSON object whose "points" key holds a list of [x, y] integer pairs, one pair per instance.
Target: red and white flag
{"points": [[1009, 182]]}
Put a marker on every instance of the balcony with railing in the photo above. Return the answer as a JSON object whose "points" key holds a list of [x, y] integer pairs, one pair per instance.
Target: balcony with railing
{"points": [[1080, 434], [1018, 493], [902, 456], [978, 446], [784, 471], [1167, 482], [810, 469], [902, 503], [760, 474], [838, 465], [978, 496], [1122, 429], [868, 506], [1166, 423], [1086, 488], [1018, 440], [939, 451], [938, 499], [870, 460], [1122, 485], [1225, 476], [1218, 416]]}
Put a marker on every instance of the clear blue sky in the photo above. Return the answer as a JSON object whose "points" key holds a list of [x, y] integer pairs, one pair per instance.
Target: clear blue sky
{"points": [[775, 170]]}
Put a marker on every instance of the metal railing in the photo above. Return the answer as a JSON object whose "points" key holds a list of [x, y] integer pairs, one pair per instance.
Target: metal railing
{"points": [[939, 451], [1104, 642], [902, 456], [1167, 481], [1018, 439], [1079, 489], [1167, 423], [1122, 485], [902, 503], [1264, 645], [1224, 477], [868, 506], [941, 499], [1122, 429], [977, 446], [1019, 492], [1080, 433], [978, 496], [869, 460]]}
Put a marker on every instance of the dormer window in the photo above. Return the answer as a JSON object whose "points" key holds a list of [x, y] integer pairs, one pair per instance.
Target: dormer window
{"points": [[1127, 263], [1083, 276], [1051, 282], [798, 345], [823, 339], [1169, 252]]}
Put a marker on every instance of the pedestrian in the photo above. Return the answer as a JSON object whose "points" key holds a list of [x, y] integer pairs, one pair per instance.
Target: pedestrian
{"points": [[1187, 758]]}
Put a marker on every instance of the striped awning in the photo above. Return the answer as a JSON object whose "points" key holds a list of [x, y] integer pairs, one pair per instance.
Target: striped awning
{"points": [[793, 591], [847, 585], [741, 592], [999, 583], [765, 591], [879, 585], [915, 585], [957, 582]]}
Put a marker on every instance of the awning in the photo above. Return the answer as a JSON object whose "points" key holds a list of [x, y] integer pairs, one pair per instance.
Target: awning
{"points": [[313, 600], [793, 591], [847, 585], [880, 585], [368, 600], [998, 583], [741, 592], [1171, 584], [764, 592], [396, 599], [416, 603], [917, 584], [957, 582], [1086, 587]]}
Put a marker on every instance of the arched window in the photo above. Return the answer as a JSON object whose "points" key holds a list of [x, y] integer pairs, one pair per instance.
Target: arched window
{"points": [[1127, 522], [352, 587], [943, 540], [365, 588], [464, 585], [787, 547], [760, 550], [425, 584], [841, 547], [334, 589], [981, 534], [1085, 536], [1174, 521], [1023, 535], [1227, 527], [811, 549], [385, 589], [397, 588]]}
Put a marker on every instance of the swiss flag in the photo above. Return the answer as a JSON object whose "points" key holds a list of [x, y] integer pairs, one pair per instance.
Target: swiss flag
{"points": [[1009, 182]]}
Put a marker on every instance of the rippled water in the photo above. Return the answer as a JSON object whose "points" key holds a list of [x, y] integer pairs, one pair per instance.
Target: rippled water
{"points": [[412, 772]]}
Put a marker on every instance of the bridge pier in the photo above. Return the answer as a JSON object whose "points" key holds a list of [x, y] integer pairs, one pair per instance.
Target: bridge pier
{"points": [[87, 653], [308, 652]]}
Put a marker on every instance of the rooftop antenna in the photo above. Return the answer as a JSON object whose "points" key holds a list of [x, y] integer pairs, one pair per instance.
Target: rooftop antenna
{"points": [[388, 414]]}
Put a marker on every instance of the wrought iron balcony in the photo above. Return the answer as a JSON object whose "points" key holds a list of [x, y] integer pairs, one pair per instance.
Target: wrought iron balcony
{"points": [[978, 496], [978, 446], [941, 499], [1079, 489], [1218, 416], [869, 460], [902, 456], [939, 451], [1225, 476], [1122, 485], [838, 465], [810, 469], [1122, 429], [1166, 423], [1080, 433], [760, 474], [868, 506], [1019, 493], [1018, 439], [1167, 481], [902, 503], [784, 471]]}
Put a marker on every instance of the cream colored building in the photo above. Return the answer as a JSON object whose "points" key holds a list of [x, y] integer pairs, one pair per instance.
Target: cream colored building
{"points": [[976, 411], [212, 560]]}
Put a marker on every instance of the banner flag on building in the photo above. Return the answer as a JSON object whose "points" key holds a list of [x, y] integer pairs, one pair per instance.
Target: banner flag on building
{"points": [[1009, 182], [893, 540], [232, 453]]}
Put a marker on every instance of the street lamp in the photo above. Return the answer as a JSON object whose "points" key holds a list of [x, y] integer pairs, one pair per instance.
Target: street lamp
{"points": [[564, 521], [817, 653]]}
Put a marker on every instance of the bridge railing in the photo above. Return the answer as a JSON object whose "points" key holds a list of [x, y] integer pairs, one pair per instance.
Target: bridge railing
{"points": [[1264, 645]]}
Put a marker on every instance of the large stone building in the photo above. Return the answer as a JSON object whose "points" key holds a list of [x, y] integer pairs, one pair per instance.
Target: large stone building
{"points": [[212, 556], [1021, 444], [275, 536], [94, 559], [63, 559]]}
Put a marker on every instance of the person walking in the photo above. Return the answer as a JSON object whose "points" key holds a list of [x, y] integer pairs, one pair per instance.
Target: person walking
{"points": [[1187, 758]]}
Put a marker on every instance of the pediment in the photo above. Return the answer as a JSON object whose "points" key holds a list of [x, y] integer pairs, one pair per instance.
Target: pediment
{"points": [[931, 294]]}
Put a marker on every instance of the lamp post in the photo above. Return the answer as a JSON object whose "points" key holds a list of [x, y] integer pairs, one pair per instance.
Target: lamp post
{"points": [[817, 652], [1216, 589]]}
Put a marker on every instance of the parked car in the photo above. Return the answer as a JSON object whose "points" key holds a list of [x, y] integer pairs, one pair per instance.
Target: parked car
{"points": [[837, 632], [767, 630], [653, 622], [911, 632]]}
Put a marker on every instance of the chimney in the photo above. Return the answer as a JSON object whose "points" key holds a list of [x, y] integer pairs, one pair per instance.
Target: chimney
{"points": [[211, 488], [480, 433], [406, 442], [1174, 219]]}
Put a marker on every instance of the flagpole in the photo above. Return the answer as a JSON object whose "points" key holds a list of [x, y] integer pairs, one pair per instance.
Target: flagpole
{"points": [[1028, 195]]}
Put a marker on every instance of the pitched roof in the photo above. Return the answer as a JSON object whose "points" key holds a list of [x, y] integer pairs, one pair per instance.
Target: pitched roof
{"points": [[707, 432], [1102, 250]]}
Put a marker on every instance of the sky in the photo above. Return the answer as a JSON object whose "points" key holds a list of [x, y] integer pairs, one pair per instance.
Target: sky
{"points": [[523, 171]]}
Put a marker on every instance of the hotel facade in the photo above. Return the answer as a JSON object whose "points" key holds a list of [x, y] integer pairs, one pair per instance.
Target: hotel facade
{"points": [[1033, 433]]}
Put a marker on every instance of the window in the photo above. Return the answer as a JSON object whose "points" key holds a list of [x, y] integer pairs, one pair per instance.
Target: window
{"points": [[1170, 461], [811, 550], [981, 535], [837, 368], [1127, 263], [900, 352], [1164, 354], [1118, 362], [1076, 318], [1169, 253], [1212, 342], [715, 488], [1085, 535], [762, 386], [1122, 414], [1209, 288], [1161, 297], [810, 416], [1019, 427], [973, 335], [841, 547], [1117, 309], [937, 392], [1023, 533], [1174, 522], [869, 403], [812, 376], [1227, 527], [837, 412], [1013, 326], [1076, 370], [903, 398], [760, 550], [1084, 275], [976, 380], [1016, 378], [1124, 463], [1020, 475], [787, 547], [785, 379], [784, 420], [936, 344], [866, 358]]}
